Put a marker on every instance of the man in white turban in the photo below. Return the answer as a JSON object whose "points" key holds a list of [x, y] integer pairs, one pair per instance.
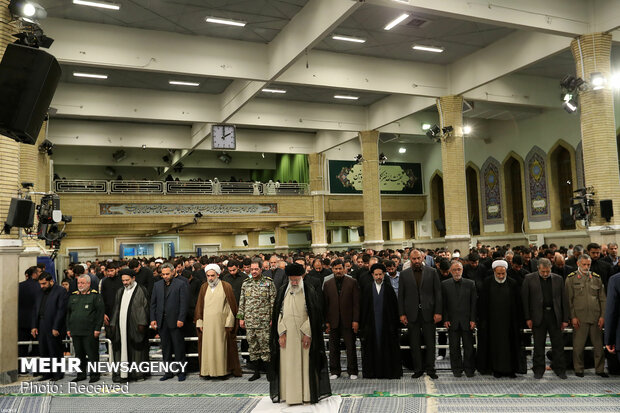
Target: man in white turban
{"points": [[500, 320], [215, 320]]}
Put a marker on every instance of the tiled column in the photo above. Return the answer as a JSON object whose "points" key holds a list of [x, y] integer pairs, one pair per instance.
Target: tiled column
{"points": [[371, 198], [598, 132], [453, 167], [281, 235], [317, 190]]}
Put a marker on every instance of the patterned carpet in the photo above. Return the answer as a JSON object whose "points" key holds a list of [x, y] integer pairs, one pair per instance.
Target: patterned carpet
{"points": [[407, 395]]}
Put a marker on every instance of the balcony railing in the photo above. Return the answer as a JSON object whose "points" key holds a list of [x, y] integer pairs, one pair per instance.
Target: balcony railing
{"points": [[179, 187]]}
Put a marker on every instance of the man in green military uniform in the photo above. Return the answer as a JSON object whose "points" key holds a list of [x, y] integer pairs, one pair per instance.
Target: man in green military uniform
{"points": [[255, 305], [84, 320], [586, 297]]}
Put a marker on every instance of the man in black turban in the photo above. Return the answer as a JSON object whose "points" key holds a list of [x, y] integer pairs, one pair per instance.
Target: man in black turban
{"points": [[297, 340], [379, 327]]}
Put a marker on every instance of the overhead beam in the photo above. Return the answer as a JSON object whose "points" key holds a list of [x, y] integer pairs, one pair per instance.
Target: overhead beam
{"points": [[507, 55], [605, 16], [520, 90], [92, 44], [567, 18], [146, 105], [395, 107], [313, 22]]}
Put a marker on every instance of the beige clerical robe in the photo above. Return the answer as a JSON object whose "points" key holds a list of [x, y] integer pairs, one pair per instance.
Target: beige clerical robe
{"points": [[294, 371], [216, 316]]}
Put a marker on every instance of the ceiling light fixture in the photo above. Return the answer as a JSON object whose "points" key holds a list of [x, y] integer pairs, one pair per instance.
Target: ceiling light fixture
{"points": [[90, 75], [428, 48], [402, 150], [426, 126], [27, 10], [100, 4], [268, 90], [347, 97], [228, 22], [180, 83], [466, 130], [348, 39], [396, 21], [570, 106]]}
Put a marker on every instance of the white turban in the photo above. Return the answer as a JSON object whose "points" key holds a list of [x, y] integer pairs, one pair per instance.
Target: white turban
{"points": [[213, 267], [499, 263]]}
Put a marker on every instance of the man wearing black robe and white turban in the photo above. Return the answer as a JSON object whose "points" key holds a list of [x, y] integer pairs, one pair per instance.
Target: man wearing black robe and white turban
{"points": [[500, 319]]}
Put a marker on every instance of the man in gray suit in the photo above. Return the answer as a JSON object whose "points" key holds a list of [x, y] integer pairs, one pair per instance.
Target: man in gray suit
{"points": [[546, 310], [419, 305], [459, 315]]}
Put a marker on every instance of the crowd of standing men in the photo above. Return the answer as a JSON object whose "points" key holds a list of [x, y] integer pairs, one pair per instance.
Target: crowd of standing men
{"points": [[484, 299]]}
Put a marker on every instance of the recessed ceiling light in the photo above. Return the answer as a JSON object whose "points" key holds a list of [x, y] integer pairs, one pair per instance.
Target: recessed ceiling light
{"points": [[180, 83], [269, 90], [348, 39], [426, 126], [346, 97], [100, 4], [402, 1], [402, 150], [229, 22], [396, 21], [90, 75], [428, 48]]}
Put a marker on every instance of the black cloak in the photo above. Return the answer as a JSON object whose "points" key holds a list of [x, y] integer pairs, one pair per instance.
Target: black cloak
{"points": [[319, 376], [485, 330], [380, 360]]}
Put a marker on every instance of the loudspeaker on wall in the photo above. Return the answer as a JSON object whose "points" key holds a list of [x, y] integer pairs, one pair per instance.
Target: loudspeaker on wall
{"points": [[28, 80]]}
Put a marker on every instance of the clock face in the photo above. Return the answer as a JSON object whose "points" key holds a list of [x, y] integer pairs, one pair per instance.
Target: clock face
{"points": [[223, 137]]}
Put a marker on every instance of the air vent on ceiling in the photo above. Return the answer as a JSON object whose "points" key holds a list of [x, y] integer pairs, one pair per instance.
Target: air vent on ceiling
{"points": [[417, 22]]}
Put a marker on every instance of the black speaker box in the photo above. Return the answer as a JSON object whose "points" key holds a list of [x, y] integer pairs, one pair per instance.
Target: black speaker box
{"points": [[607, 209], [272, 239], [309, 236], [245, 243], [360, 231], [28, 80], [21, 213]]}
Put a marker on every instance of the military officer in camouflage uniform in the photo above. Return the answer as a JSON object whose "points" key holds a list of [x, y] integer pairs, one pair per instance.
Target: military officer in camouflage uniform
{"points": [[84, 320], [586, 297], [255, 305]]}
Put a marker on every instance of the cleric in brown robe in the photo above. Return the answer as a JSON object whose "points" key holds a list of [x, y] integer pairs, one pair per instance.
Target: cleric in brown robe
{"points": [[216, 317], [500, 319]]}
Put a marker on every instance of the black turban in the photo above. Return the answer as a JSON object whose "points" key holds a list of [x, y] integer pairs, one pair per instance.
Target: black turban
{"points": [[294, 269], [127, 271], [378, 266]]}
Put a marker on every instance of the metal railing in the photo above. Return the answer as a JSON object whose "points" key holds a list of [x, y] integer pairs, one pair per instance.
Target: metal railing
{"points": [[179, 187], [81, 186]]}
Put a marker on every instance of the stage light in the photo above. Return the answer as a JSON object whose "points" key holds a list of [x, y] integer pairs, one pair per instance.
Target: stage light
{"points": [[466, 130], [597, 80], [359, 158], [570, 106], [382, 159], [426, 126], [27, 10], [433, 132]]}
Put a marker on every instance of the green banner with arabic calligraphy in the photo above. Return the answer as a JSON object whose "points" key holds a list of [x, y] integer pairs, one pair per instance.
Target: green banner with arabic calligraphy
{"points": [[345, 177]]}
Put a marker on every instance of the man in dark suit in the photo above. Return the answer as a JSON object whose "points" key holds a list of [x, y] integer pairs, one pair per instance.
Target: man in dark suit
{"points": [[419, 305], [168, 312], [612, 257], [546, 310], [612, 316], [341, 302], [276, 273], [28, 291], [48, 320], [599, 266], [459, 315]]}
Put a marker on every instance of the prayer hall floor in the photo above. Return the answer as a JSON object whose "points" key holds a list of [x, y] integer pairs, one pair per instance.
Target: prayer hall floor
{"points": [[447, 394]]}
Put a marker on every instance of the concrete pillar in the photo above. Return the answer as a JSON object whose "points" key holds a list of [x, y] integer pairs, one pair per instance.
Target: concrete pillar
{"points": [[371, 195], [281, 235], [598, 132], [9, 262], [453, 167], [317, 191], [253, 240]]}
